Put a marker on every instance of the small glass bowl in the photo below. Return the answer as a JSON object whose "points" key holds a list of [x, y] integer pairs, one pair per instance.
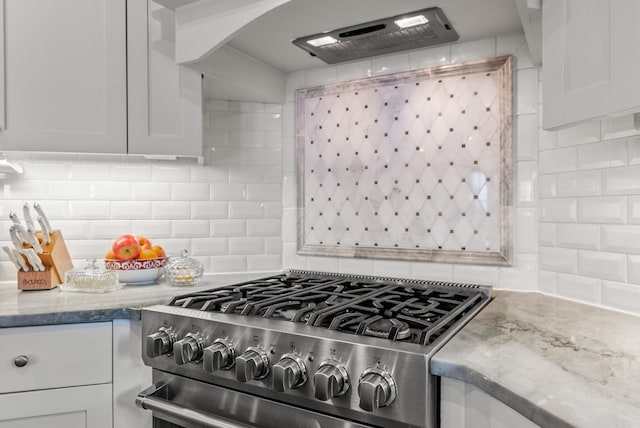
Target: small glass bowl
{"points": [[90, 279], [183, 270]]}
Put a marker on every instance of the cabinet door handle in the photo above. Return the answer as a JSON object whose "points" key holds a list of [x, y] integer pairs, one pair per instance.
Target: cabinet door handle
{"points": [[21, 361]]}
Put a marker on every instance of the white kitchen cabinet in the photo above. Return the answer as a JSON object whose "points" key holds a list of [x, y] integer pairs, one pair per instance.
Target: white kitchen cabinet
{"points": [[590, 63], [463, 405], [63, 75], [79, 407], [56, 376], [95, 76], [164, 99]]}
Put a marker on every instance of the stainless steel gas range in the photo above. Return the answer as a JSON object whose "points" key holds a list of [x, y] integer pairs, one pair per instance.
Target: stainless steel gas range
{"points": [[303, 349]]}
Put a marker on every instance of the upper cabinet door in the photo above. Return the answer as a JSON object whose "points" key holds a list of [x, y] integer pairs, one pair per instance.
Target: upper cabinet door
{"points": [[165, 99], [590, 62], [63, 75]]}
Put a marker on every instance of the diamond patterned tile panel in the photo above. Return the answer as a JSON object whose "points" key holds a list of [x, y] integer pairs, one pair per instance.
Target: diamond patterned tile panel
{"points": [[414, 165]]}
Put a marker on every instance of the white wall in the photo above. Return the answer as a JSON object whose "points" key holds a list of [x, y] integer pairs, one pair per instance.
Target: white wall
{"points": [[227, 212], [523, 275]]}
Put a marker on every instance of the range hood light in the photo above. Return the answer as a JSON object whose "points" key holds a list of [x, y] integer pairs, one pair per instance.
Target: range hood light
{"points": [[411, 21], [322, 41]]}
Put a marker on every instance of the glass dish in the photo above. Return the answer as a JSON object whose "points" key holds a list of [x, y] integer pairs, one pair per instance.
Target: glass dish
{"points": [[183, 270], [90, 279]]}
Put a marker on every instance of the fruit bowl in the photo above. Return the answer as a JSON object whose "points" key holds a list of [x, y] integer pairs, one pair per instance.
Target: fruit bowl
{"points": [[137, 271]]}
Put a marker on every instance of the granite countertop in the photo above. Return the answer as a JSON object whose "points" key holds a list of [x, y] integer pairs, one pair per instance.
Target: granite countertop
{"points": [[43, 307], [557, 362]]}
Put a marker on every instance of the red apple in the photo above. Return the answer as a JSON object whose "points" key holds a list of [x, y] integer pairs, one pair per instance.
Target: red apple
{"points": [[144, 242], [126, 247]]}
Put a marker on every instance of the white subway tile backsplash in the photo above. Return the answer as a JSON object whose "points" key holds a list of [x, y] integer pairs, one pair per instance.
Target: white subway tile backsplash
{"points": [[617, 127], [228, 192], [584, 183], [246, 138], [77, 190], [209, 174], [247, 174], [353, 70], [73, 229], [273, 209], [547, 234], [246, 245], [267, 156], [264, 192], [579, 288], [427, 58], [90, 210], [526, 134], [526, 91], [190, 191], [633, 269], [130, 210], [289, 224], [527, 183], [547, 186], [229, 228], [173, 246], [547, 140], [220, 105], [291, 259], [389, 64], [322, 264], [83, 249], [586, 132], [633, 212], [392, 268], [227, 156], [209, 210], [621, 238], [605, 154], [478, 49], [130, 172], [151, 192], [173, 210], [355, 266], [516, 45], [432, 271], [45, 170], [220, 264], [245, 106], [522, 276], [264, 227], [210, 246], [169, 172], [621, 181], [606, 209], [558, 210], [633, 150], [264, 262], [215, 137], [547, 282], [526, 239], [152, 228], [483, 275], [622, 296], [559, 160], [109, 229], [89, 170], [599, 264], [246, 210], [273, 174], [110, 191], [578, 235], [558, 259], [190, 228], [273, 245]]}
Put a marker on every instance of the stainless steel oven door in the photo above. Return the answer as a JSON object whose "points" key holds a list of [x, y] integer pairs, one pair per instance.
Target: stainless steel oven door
{"points": [[177, 401]]}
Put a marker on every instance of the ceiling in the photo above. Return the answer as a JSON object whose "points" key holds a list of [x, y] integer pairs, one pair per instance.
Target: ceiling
{"points": [[268, 38]]}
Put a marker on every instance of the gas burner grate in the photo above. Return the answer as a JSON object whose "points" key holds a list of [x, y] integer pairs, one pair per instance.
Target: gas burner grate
{"points": [[390, 308]]}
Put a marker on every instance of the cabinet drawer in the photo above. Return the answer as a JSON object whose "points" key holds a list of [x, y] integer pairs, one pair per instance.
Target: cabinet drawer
{"points": [[56, 356]]}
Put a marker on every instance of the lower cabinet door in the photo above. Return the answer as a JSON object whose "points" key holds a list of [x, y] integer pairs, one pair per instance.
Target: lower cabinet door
{"points": [[77, 407]]}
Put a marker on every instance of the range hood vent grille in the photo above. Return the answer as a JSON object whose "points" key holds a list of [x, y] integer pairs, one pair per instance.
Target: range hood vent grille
{"points": [[380, 37]]}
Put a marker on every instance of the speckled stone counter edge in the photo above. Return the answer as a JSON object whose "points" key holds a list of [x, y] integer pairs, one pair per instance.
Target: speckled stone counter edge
{"points": [[516, 402], [69, 317]]}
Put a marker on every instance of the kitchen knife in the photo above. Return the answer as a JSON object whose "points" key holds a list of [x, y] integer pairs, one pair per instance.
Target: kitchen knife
{"points": [[41, 213], [27, 216], [14, 218], [33, 240], [15, 239], [21, 262], [46, 233], [12, 257], [33, 259]]}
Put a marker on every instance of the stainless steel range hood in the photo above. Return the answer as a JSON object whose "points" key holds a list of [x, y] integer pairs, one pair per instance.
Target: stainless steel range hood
{"points": [[418, 29]]}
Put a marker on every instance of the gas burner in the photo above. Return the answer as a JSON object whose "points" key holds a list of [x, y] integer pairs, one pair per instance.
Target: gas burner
{"points": [[388, 328]]}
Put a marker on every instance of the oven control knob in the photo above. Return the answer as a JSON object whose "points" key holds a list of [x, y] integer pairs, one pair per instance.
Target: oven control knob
{"points": [[160, 343], [376, 389], [188, 349], [220, 355], [289, 373], [330, 380], [252, 364]]}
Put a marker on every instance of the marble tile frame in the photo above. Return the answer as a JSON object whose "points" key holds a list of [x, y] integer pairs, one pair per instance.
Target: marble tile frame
{"points": [[503, 65]]}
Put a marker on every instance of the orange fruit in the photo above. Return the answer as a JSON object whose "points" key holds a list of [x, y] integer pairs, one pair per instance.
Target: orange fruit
{"points": [[144, 242], [159, 251], [147, 254], [110, 255]]}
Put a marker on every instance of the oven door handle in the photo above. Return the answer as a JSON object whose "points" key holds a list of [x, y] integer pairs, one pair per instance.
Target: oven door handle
{"points": [[150, 399]]}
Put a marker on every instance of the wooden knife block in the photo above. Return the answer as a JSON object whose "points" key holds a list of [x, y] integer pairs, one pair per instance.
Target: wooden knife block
{"points": [[55, 258]]}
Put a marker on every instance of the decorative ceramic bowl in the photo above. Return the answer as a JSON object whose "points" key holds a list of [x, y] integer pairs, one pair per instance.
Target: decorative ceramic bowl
{"points": [[139, 271]]}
